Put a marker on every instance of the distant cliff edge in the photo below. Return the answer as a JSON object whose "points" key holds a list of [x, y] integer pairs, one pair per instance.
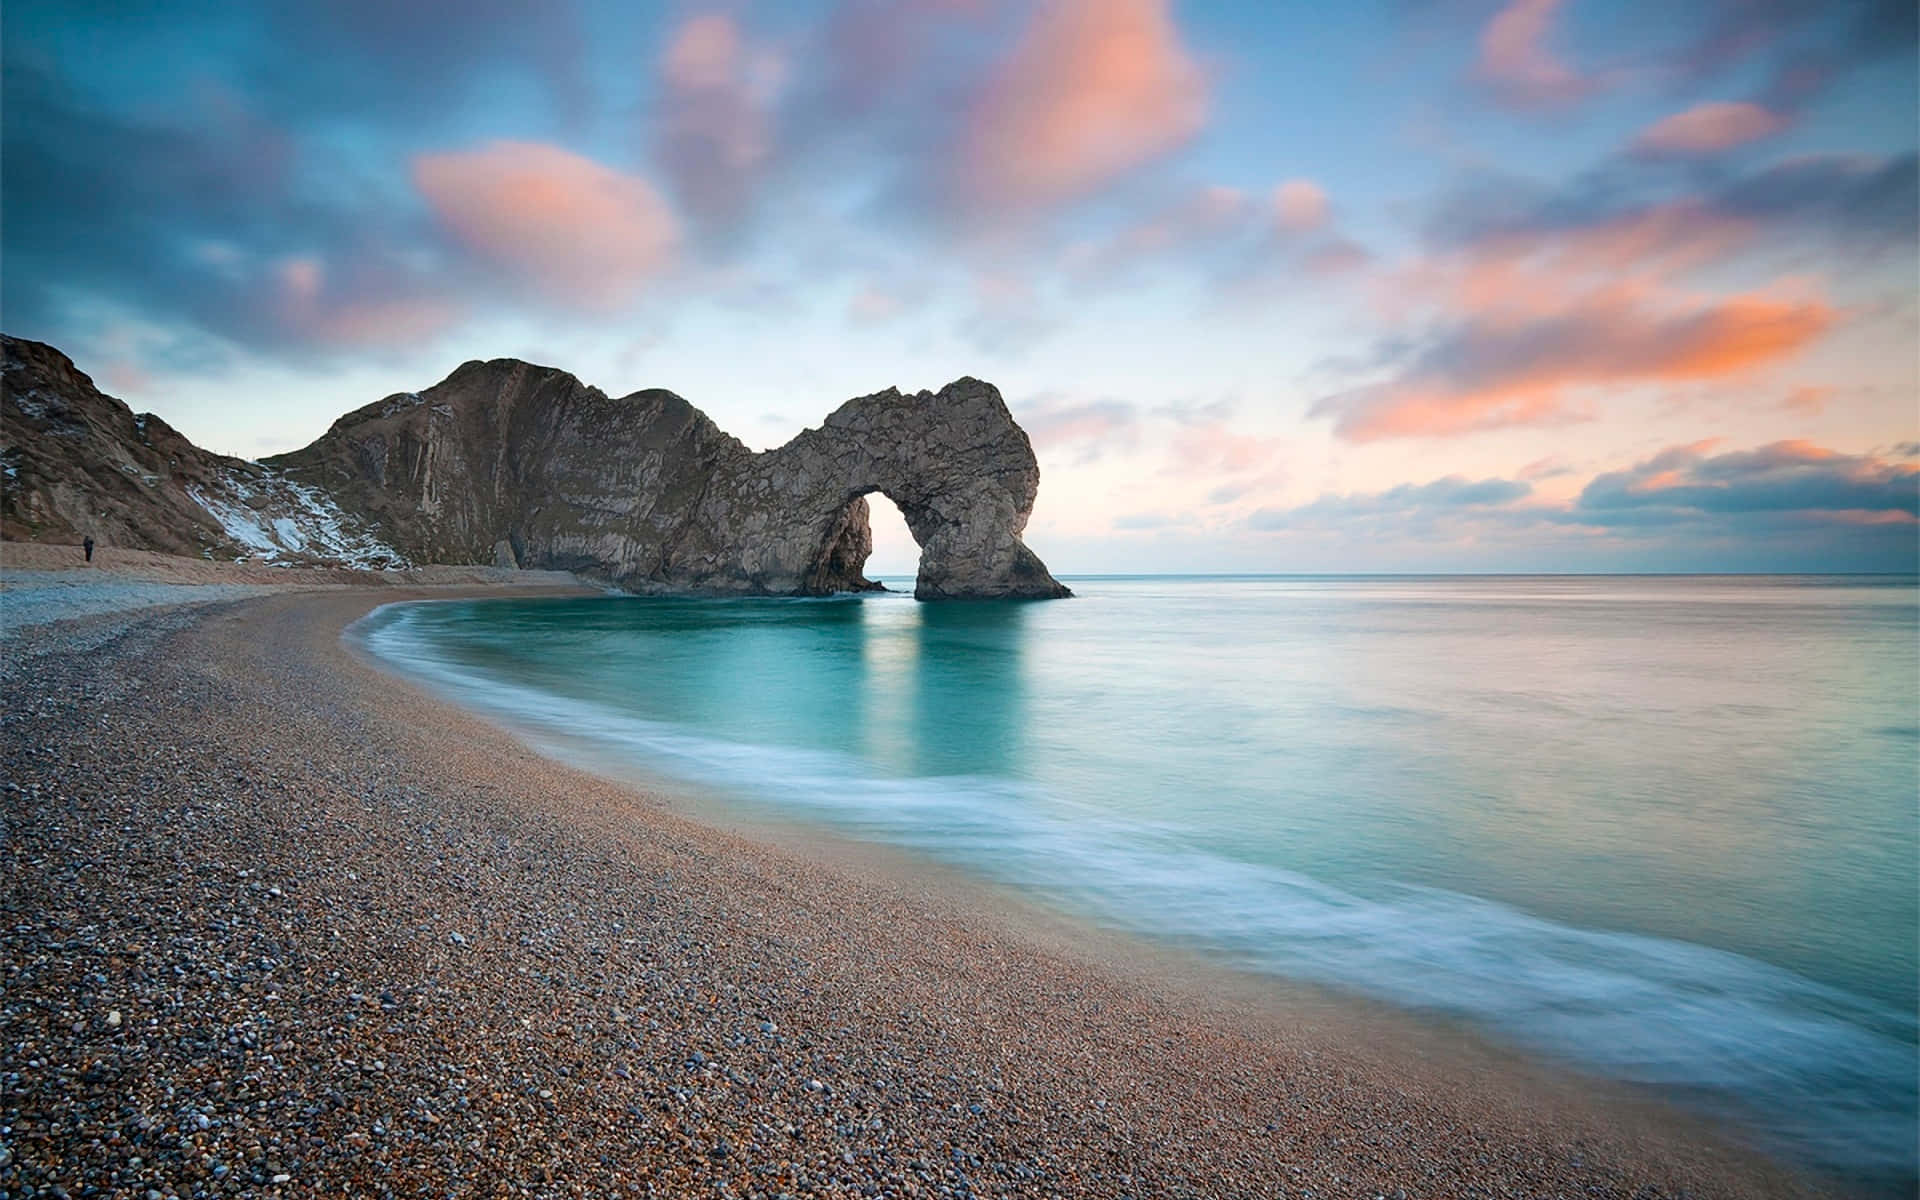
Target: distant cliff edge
{"points": [[511, 464]]}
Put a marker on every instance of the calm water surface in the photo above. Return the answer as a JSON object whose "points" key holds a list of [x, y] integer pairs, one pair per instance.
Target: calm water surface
{"points": [[1664, 828]]}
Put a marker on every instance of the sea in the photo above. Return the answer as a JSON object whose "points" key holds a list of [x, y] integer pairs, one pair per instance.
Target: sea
{"points": [[1664, 830]]}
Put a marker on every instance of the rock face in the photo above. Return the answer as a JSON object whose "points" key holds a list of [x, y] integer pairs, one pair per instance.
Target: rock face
{"points": [[78, 463], [795, 518], [510, 464]]}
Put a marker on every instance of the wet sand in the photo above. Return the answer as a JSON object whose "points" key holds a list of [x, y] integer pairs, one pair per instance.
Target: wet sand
{"points": [[277, 923]]}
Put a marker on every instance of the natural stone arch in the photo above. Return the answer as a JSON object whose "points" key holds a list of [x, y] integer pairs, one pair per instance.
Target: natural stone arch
{"points": [[510, 463], [963, 474]]}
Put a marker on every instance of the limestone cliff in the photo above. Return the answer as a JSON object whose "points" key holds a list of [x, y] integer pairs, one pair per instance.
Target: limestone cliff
{"points": [[793, 519], [76, 463], [512, 464]]}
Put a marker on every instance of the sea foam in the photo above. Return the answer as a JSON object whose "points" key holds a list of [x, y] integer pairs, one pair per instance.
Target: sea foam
{"points": [[1821, 1075]]}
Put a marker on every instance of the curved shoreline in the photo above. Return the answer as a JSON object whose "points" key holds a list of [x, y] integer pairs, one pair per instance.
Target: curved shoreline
{"points": [[581, 979]]}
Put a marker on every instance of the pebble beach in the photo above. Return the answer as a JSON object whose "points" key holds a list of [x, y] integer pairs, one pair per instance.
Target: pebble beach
{"points": [[278, 924]]}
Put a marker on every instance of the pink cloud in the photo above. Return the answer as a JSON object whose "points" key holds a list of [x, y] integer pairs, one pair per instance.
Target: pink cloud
{"points": [[714, 132], [308, 307], [1531, 325], [1495, 370], [1811, 399], [1091, 427], [874, 305], [1516, 61], [1092, 90], [1212, 448], [1550, 467], [1709, 129], [126, 377], [584, 234], [1299, 205], [1336, 256], [1201, 217], [702, 52]]}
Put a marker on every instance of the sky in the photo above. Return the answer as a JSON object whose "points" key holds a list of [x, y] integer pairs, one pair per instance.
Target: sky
{"points": [[1409, 285]]}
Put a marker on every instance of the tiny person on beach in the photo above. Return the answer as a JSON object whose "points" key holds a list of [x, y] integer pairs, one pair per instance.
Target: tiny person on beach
{"points": [[87, 545]]}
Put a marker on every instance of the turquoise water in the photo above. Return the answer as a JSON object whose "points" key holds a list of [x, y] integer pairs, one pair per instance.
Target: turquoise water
{"points": [[1662, 828]]}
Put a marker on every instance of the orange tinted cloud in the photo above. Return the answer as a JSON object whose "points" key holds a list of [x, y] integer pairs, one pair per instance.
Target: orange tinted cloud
{"points": [[1530, 323], [1738, 334], [1093, 89], [583, 233], [1708, 129], [1528, 269], [1493, 373]]}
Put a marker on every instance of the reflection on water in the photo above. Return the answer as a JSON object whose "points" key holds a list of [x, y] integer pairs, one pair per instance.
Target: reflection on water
{"points": [[946, 690], [1666, 828]]}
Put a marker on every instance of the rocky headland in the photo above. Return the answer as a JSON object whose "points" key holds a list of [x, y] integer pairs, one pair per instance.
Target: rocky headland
{"points": [[508, 464]]}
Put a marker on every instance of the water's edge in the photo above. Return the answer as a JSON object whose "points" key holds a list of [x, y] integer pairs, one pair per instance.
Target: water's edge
{"points": [[1580, 997]]}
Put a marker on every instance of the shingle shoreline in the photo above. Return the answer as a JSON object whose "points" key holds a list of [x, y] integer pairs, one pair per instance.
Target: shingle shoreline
{"points": [[276, 924]]}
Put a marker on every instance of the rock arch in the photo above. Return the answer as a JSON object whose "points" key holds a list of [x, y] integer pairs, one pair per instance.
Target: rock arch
{"points": [[510, 463], [794, 520]]}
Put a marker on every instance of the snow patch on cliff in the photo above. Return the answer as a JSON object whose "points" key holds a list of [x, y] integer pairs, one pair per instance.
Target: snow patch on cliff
{"points": [[286, 522]]}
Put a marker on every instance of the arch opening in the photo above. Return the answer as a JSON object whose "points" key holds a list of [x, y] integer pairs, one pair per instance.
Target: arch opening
{"points": [[845, 560], [895, 555]]}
